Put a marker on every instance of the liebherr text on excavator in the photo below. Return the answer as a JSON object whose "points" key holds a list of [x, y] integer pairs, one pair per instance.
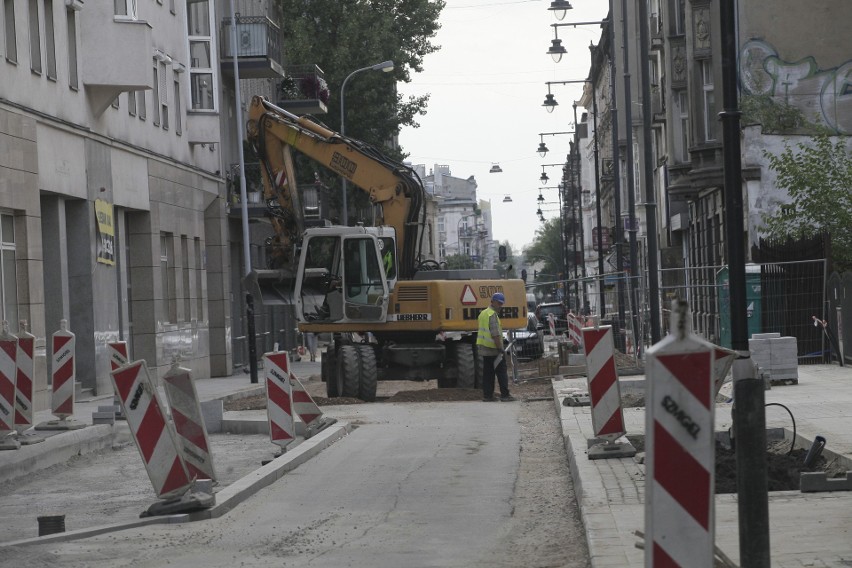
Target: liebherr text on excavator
{"points": [[416, 321]]}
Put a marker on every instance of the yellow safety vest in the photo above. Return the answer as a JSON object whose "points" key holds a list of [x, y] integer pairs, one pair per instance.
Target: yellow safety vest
{"points": [[483, 337]]}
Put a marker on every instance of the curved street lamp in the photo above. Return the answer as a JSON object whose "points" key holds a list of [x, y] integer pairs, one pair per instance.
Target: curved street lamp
{"points": [[385, 66]]}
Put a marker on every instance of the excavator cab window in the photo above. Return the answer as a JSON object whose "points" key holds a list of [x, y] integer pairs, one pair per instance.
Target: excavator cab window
{"points": [[386, 244], [320, 289], [364, 283]]}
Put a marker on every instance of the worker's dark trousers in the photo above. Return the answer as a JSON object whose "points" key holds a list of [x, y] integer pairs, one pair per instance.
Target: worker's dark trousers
{"points": [[488, 372]]}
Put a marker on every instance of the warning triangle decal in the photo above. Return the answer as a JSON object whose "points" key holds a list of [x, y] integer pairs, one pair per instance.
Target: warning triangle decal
{"points": [[468, 298]]}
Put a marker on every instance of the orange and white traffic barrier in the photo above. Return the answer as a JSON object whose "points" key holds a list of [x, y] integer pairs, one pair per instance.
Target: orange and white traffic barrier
{"points": [[154, 438], [604, 394], [680, 448], [64, 371], [279, 398], [192, 436], [306, 409], [25, 369], [118, 358], [8, 372]]}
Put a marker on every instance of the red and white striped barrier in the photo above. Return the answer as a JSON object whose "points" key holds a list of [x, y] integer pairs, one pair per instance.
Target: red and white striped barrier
{"points": [[723, 360], [189, 424], [279, 398], [680, 446], [118, 358], [64, 371], [551, 323], [575, 334], [8, 372], [152, 434], [604, 390], [306, 409], [25, 368]]}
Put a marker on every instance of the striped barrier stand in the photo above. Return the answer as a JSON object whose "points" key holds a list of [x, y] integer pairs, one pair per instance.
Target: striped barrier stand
{"points": [[680, 448], [156, 443], [25, 369], [185, 409], [604, 394], [279, 399], [575, 335], [8, 372], [306, 409], [118, 357], [63, 377]]}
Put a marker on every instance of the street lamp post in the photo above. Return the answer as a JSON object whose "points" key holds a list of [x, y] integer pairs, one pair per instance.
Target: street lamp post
{"points": [[386, 66]]}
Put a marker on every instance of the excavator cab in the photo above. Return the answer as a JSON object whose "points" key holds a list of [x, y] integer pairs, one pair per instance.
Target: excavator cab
{"points": [[341, 276]]}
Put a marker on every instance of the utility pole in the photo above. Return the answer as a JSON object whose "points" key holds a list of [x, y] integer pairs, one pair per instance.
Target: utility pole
{"points": [[749, 397], [648, 176]]}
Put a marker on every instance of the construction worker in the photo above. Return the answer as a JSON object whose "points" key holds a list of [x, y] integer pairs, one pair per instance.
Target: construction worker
{"points": [[489, 342]]}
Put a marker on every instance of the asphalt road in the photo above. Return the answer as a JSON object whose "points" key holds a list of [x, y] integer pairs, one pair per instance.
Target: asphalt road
{"points": [[432, 484]]}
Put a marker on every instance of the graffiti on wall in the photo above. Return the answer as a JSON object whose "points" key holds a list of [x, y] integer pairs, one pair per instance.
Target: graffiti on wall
{"points": [[823, 96]]}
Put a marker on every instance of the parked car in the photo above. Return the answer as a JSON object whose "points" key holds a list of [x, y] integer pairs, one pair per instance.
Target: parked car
{"points": [[529, 341], [558, 311]]}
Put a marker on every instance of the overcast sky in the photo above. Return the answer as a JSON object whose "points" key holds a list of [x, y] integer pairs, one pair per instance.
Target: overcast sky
{"points": [[487, 85]]}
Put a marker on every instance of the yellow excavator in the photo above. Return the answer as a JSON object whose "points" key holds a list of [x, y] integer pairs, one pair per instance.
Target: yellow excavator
{"points": [[413, 320]]}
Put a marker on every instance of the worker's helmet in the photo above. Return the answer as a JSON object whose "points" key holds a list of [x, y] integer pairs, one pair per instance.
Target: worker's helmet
{"points": [[499, 297]]}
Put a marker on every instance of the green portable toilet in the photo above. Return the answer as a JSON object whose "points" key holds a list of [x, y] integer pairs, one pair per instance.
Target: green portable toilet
{"points": [[753, 302]]}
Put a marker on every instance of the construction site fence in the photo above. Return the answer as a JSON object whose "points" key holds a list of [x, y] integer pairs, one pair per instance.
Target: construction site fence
{"points": [[781, 297]]}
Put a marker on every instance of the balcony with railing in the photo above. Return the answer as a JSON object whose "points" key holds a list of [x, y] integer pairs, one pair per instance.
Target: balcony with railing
{"points": [[258, 48], [303, 90]]}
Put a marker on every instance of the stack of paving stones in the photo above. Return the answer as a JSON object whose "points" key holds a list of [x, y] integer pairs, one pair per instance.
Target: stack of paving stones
{"points": [[777, 356]]}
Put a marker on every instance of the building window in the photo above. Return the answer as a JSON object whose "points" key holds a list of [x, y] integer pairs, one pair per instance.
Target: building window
{"points": [[167, 275], [441, 228], [125, 9], [187, 289], [49, 39], [442, 250], [164, 97], [8, 271], [131, 103], [201, 75], [35, 38], [178, 109], [709, 100], [199, 283], [680, 17], [155, 93], [71, 24], [140, 105], [11, 38], [683, 127]]}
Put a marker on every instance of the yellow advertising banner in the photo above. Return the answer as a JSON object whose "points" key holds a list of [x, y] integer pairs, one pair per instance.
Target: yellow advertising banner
{"points": [[105, 232]]}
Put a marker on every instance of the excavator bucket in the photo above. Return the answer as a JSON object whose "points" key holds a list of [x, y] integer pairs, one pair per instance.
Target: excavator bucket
{"points": [[271, 287]]}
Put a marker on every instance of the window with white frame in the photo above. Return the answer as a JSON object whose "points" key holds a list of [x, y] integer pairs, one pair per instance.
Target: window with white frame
{"points": [[155, 94], [709, 100], [178, 109], [201, 56], [49, 39], [125, 9], [71, 29], [164, 96], [8, 271], [9, 27], [441, 228], [35, 37], [442, 250]]}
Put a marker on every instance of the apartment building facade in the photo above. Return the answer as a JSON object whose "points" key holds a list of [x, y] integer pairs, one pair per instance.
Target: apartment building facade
{"points": [[111, 188]]}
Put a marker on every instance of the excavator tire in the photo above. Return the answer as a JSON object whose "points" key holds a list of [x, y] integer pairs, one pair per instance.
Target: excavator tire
{"points": [[369, 373], [329, 375], [348, 371], [464, 360]]}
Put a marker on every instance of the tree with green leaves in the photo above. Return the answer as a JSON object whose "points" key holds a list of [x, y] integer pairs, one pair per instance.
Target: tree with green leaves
{"points": [[547, 247], [459, 261], [341, 36], [818, 178]]}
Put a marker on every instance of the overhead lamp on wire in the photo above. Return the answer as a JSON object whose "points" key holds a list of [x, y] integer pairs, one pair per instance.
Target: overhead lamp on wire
{"points": [[496, 169], [557, 50], [560, 8], [507, 199], [543, 177], [542, 147], [540, 199]]}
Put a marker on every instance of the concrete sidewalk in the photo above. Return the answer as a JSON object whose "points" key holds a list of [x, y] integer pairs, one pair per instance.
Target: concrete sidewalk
{"points": [[806, 529]]}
